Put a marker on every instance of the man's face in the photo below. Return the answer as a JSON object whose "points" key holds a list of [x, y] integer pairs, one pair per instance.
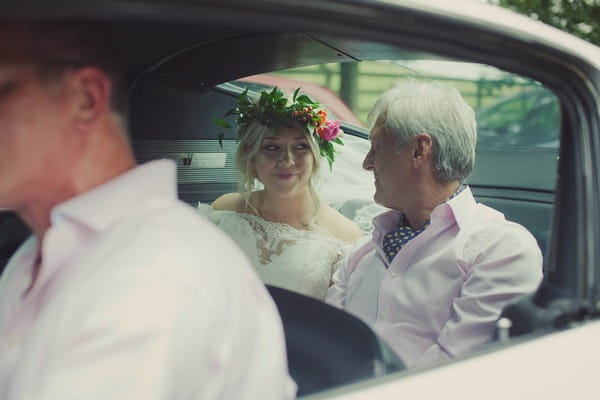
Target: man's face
{"points": [[390, 166], [30, 128]]}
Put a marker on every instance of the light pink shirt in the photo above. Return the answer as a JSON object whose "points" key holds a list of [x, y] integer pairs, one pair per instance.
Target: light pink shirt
{"points": [[137, 298], [443, 292]]}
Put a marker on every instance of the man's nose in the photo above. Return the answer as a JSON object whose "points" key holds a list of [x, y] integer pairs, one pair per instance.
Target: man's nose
{"points": [[368, 162]]}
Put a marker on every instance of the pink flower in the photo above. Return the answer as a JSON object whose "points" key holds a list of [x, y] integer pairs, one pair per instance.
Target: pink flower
{"points": [[330, 131]]}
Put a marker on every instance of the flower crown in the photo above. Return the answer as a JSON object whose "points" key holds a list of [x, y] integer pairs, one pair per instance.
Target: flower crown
{"points": [[272, 110]]}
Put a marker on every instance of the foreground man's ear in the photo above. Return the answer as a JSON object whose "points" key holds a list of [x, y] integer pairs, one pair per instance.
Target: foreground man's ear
{"points": [[89, 92]]}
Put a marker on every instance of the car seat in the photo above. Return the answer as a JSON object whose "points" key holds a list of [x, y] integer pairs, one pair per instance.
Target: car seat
{"points": [[328, 347], [13, 233]]}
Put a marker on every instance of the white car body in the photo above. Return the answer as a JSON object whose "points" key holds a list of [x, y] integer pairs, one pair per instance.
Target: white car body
{"points": [[556, 361]]}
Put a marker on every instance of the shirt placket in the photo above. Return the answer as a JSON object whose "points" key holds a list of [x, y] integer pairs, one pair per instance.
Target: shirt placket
{"points": [[396, 270]]}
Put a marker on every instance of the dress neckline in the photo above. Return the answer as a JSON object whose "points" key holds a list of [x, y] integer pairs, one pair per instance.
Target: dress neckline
{"points": [[304, 232]]}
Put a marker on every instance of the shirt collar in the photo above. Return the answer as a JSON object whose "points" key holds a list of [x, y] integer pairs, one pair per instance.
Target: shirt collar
{"points": [[461, 207], [388, 220], [100, 206], [458, 208]]}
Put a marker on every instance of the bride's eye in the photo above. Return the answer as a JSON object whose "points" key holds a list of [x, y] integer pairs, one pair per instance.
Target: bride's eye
{"points": [[301, 146], [270, 147]]}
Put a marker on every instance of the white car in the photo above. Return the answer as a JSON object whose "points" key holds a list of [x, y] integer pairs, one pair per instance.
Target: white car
{"points": [[180, 55]]}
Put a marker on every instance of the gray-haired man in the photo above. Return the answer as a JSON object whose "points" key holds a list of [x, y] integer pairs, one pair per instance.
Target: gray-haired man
{"points": [[434, 277]]}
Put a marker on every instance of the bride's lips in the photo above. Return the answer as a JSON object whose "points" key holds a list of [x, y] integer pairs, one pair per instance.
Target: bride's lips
{"points": [[284, 175]]}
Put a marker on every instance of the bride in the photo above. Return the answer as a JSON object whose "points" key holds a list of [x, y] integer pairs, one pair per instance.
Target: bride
{"points": [[293, 239]]}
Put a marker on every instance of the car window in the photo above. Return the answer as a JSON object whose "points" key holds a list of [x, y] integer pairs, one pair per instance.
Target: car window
{"points": [[529, 118], [518, 134], [518, 130], [512, 111]]}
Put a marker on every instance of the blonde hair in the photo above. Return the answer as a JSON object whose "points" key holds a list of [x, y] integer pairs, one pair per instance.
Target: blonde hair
{"points": [[251, 137]]}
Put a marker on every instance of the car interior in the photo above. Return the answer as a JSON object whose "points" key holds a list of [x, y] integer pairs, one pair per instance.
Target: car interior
{"points": [[179, 83], [172, 109]]}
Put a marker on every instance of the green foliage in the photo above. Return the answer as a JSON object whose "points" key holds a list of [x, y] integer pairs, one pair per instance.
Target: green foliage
{"points": [[221, 123], [271, 110], [578, 17]]}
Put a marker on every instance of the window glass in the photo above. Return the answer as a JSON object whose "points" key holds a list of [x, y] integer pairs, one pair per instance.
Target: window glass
{"points": [[512, 111], [518, 132]]}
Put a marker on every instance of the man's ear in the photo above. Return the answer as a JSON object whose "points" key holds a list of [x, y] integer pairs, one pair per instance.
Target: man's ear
{"points": [[89, 96], [422, 149]]}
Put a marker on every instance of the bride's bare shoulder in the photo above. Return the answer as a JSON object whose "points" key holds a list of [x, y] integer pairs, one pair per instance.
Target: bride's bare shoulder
{"points": [[236, 202], [229, 202], [339, 225]]}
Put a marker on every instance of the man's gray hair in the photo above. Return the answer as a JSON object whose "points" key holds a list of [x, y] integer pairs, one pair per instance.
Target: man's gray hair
{"points": [[413, 107]]}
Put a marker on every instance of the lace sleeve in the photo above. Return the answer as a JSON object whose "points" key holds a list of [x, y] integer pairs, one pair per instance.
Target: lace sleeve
{"points": [[206, 210], [341, 258], [338, 263], [236, 227]]}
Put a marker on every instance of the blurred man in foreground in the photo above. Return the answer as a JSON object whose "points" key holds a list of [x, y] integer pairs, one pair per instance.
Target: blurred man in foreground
{"points": [[122, 292]]}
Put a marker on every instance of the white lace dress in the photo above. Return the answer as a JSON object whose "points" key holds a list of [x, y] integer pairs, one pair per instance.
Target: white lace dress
{"points": [[298, 260]]}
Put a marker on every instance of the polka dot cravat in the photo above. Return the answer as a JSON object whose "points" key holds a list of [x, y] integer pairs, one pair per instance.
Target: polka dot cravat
{"points": [[394, 240]]}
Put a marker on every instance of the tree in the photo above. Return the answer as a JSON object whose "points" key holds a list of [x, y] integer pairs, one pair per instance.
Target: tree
{"points": [[578, 17]]}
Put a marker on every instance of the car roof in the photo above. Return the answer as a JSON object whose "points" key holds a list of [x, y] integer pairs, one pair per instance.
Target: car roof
{"points": [[147, 31], [503, 21]]}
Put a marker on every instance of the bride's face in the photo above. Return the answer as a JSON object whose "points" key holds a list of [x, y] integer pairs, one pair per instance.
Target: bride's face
{"points": [[285, 161]]}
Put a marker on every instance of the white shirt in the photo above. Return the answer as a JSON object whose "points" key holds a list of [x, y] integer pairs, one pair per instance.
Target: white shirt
{"points": [[137, 298], [443, 292]]}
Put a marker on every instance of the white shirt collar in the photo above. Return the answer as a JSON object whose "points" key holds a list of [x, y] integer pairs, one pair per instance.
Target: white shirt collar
{"points": [[99, 207], [459, 208]]}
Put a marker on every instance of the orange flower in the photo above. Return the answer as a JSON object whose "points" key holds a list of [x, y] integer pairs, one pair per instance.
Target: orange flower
{"points": [[322, 116]]}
